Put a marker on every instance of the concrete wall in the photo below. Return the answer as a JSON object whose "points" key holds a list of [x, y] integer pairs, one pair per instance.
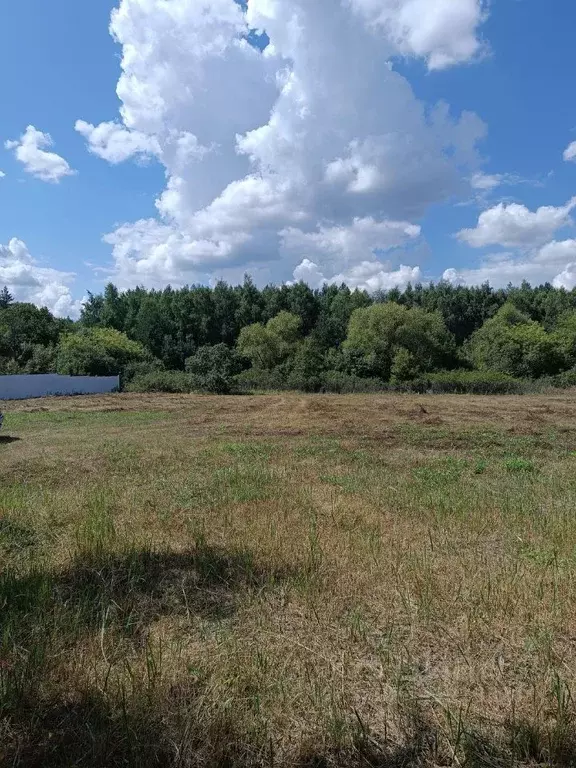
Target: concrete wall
{"points": [[22, 387]]}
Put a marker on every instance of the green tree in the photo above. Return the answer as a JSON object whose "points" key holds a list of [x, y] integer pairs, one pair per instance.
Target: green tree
{"points": [[379, 332], [214, 368], [267, 346], [91, 314], [22, 326], [307, 366], [98, 352], [564, 336], [405, 366], [6, 298], [512, 343], [114, 308]]}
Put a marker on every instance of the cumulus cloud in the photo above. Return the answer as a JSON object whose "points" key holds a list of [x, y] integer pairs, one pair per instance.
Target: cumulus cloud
{"points": [[367, 276], [30, 150], [350, 254], [550, 263], [515, 226], [2, 175], [567, 278], [570, 152], [112, 142], [444, 32], [301, 140], [28, 281]]}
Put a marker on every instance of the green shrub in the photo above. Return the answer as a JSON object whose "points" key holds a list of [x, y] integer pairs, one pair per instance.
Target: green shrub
{"points": [[97, 352], [140, 368], [345, 383], [162, 381], [213, 368], [474, 383], [257, 379], [565, 380]]}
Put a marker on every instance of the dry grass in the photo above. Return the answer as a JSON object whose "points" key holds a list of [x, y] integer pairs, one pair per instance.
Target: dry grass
{"points": [[288, 580]]}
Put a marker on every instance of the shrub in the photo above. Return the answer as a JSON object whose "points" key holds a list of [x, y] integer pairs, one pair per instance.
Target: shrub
{"points": [[565, 380], [97, 352], [257, 379], [162, 381], [140, 368], [512, 343], [213, 368], [474, 383], [346, 383]]}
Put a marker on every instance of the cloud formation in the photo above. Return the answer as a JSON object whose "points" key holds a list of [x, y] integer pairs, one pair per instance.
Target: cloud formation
{"points": [[28, 281], [515, 226], [114, 143], [296, 139], [30, 150], [570, 152]]}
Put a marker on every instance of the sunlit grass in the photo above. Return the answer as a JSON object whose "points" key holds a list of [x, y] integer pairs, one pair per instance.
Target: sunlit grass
{"points": [[288, 581]]}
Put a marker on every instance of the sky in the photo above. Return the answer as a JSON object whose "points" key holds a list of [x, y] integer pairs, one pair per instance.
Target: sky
{"points": [[371, 142]]}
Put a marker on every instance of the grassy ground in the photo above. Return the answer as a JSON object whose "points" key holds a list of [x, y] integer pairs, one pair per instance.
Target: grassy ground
{"points": [[289, 581]]}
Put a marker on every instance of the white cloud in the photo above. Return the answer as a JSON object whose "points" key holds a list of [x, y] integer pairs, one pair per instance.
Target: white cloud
{"points": [[443, 32], [486, 182], [2, 175], [515, 226], [557, 252], [112, 142], [30, 282], [570, 152], [349, 254], [551, 263], [30, 149], [567, 278], [312, 135], [368, 275]]}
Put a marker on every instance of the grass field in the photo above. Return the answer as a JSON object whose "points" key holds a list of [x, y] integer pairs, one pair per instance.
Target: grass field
{"points": [[288, 581]]}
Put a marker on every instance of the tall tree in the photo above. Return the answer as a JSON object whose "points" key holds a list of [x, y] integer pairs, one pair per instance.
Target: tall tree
{"points": [[6, 298]]}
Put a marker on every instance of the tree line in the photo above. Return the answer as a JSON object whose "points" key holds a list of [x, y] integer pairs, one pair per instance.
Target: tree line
{"points": [[237, 338]]}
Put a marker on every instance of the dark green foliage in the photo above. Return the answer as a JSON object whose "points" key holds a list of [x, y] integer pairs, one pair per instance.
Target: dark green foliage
{"points": [[395, 340], [213, 368], [342, 383], [307, 367], [512, 343], [295, 337], [176, 382], [261, 380], [97, 352], [6, 298], [473, 383]]}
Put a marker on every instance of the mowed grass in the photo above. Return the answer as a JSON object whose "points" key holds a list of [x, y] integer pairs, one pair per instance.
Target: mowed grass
{"points": [[288, 581]]}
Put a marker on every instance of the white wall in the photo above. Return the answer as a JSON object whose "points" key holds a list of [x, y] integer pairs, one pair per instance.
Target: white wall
{"points": [[40, 385]]}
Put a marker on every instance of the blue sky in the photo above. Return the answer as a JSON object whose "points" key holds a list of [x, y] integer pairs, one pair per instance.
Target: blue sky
{"points": [[311, 161]]}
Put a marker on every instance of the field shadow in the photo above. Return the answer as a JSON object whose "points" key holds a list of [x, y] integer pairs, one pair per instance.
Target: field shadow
{"points": [[130, 591], [8, 439], [15, 537], [143, 585], [87, 732], [170, 730]]}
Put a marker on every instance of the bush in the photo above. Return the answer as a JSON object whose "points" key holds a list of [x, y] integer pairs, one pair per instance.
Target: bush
{"points": [[474, 383], [565, 380], [97, 352], [213, 368], [140, 368], [175, 382], [259, 380], [346, 383]]}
